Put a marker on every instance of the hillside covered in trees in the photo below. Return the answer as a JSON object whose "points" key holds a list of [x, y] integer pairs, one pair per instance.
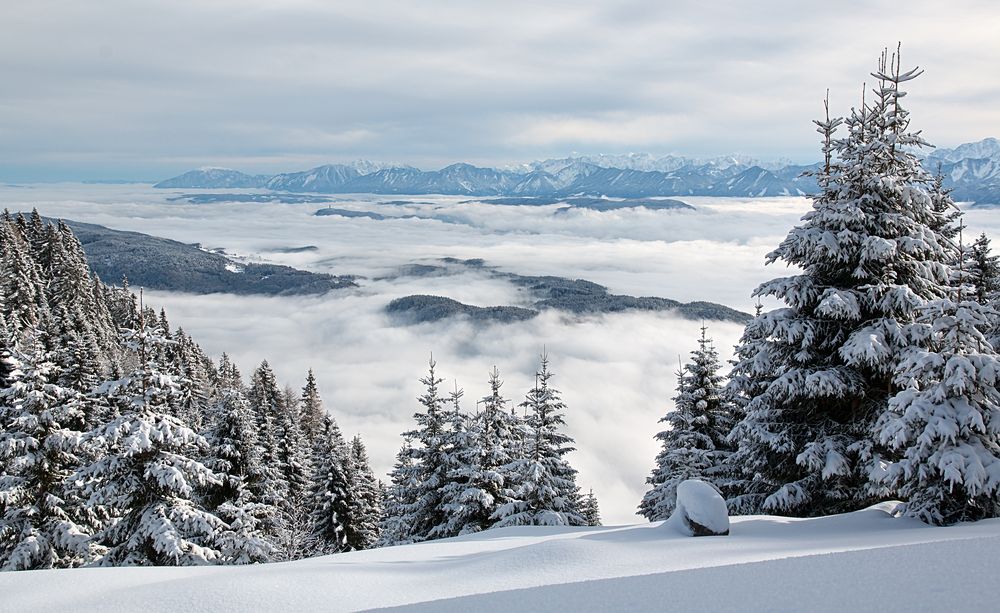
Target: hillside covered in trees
{"points": [[123, 444]]}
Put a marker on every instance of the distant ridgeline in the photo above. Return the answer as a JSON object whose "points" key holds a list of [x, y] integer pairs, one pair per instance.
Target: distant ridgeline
{"points": [[547, 292], [971, 171], [160, 263], [123, 444]]}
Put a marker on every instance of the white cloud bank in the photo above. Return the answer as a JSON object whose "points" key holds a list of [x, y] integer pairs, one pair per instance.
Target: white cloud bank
{"points": [[616, 371], [147, 90]]}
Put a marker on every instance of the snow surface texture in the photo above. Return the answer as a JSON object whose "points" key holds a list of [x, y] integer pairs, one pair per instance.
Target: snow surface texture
{"points": [[866, 560], [700, 510]]}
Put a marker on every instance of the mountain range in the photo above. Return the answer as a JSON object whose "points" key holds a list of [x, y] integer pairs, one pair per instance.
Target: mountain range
{"points": [[577, 296], [971, 171]]}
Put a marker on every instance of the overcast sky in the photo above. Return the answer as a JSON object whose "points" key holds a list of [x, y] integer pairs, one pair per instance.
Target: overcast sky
{"points": [[144, 90]]}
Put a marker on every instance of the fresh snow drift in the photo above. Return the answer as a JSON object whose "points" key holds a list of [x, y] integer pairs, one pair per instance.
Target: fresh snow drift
{"points": [[867, 560]]}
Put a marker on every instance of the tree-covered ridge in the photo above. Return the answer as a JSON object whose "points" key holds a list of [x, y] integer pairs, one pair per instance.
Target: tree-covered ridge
{"points": [[160, 263], [123, 443]]}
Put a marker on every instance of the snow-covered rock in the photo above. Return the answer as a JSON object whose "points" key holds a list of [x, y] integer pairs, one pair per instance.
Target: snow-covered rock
{"points": [[700, 510]]}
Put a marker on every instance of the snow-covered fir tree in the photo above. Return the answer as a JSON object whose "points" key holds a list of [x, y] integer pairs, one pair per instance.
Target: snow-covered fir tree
{"points": [[749, 376], [502, 436], [482, 446], [42, 525], [263, 395], [191, 404], [394, 526], [983, 270], [365, 499], [78, 358], [330, 502], [6, 347], [461, 497], [21, 283], [870, 257], [146, 471], [431, 460], [942, 428], [542, 488], [265, 399], [694, 446], [311, 407], [241, 498], [294, 452], [590, 510]]}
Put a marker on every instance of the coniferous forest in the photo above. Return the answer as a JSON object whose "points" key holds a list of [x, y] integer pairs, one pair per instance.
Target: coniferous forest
{"points": [[123, 444]]}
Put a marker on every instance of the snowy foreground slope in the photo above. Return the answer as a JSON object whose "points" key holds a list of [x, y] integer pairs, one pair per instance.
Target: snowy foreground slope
{"points": [[865, 560]]}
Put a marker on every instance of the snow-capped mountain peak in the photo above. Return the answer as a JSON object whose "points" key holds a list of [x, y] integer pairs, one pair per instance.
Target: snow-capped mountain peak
{"points": [[972, 171], [988, 148]]}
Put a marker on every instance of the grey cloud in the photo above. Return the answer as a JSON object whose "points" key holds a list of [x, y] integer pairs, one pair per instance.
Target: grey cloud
{"points": [[137, 90]]}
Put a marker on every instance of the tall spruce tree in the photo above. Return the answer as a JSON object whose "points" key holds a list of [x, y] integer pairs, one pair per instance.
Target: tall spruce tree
{"points": [[501, 438], [462, 500], [293, 450], [263, 396], [41, 523], [311, 408], [21, 283], [484, 446], [6, 347], [749, 377], [695, 446], [590, 510], [146, 471], [330, 500], [292, 464], [431, 459], [191, 404], [869, 257], [395, 527], [365, 499], [983, 269], [943, 427], [241, 499], [542, 489]]}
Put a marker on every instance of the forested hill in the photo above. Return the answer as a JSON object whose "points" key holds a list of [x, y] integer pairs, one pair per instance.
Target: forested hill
{"points": [[123, 444], [576, 296], [160, 263]]}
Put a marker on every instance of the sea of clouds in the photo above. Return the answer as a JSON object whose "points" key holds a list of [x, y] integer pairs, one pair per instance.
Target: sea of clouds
{"points": [[616, 372]]}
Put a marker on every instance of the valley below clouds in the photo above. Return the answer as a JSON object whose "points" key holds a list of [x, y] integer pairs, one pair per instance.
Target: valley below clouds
{"points": [[616, 371]]}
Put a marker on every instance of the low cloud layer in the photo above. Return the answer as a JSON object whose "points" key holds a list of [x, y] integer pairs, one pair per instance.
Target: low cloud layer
{"points": [[616, 371]]}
